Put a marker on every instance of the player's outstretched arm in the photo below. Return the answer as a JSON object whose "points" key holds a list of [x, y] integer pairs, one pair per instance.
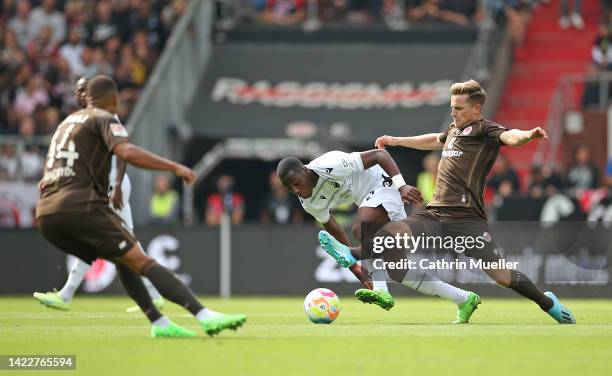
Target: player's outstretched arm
{"points": [[517, 137], [142, 158], [383, 159], [430, 141]]}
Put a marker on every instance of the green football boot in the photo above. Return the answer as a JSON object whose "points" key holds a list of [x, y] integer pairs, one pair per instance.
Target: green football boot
{"points": [[465, 310], [159, 303], [216, 324], [171, 331], [52, 300], [381, 298]]}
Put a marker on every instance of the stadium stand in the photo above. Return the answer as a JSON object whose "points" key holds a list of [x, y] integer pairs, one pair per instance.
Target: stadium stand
{"points": [[47, 44], [538, 65]]}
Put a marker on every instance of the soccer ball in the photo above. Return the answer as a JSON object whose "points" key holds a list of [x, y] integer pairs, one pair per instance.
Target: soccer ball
{"points": [[322, 306]]}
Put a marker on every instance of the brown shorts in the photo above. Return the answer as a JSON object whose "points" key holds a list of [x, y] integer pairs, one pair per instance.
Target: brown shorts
{"points": [[456, 222], [87, 235]]}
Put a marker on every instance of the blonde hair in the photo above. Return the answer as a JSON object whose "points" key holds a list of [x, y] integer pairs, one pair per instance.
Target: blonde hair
{"points": [[472, 88]]}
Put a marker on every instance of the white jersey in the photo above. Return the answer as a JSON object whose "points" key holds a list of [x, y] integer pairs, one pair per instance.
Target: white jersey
{"points": [[126, 189], [343, 180]]}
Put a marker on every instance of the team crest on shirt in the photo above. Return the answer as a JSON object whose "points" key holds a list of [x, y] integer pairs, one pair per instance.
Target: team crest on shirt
{"points": [[467, 131], [451, 143], [118, 130]]}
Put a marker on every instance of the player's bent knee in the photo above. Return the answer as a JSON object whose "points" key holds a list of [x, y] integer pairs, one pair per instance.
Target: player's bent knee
{"points": [[393, 228], [135, 259]]}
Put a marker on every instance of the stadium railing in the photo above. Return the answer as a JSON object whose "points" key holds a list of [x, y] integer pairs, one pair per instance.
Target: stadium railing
{"points": [[230, 13], [568, 100], [160, 110], [20, 144]]}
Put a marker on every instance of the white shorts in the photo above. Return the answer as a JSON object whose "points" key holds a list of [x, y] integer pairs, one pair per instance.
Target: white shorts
{"points": [[389, 198], [126, 212]]}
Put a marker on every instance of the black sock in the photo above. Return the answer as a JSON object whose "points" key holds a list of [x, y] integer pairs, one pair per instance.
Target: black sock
{"points": [[170, 287], [523, 285], [132, 283]]}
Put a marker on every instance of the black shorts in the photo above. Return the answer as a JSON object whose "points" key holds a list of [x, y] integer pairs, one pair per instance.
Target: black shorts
{"points": [[459, 224], [87, 235]]}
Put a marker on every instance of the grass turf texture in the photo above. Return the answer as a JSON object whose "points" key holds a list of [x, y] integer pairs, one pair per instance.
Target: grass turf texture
{"points": [[507, 337]]}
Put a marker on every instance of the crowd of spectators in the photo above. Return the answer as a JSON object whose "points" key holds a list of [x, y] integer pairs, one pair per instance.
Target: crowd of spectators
{"points": [[461, 12], [581, 177], [289, 12], [45, 46], [601, 62]]}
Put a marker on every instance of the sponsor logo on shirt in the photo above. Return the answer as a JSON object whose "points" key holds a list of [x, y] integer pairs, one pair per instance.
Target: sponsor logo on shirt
{"points": [[387, 182], [451, 153], [118, 130]]}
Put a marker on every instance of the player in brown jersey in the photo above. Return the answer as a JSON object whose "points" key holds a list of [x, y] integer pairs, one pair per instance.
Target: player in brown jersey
{"points": [[73, 212], [469, 147], [119, 191]]}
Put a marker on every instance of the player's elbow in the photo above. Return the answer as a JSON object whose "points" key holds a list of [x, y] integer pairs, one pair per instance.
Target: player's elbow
{"points": [[124, 151], [506, 139], [374, 157], [381, 155]]}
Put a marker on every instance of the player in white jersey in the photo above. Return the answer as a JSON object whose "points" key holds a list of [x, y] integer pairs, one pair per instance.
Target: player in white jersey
{"points": [[372, 181], [120, 189]]}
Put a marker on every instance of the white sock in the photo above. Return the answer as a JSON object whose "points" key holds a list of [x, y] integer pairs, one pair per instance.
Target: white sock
{"points": [[206, 313], [428, 284], [162, 322], [379, 276], [153, 293], [75, 278]]}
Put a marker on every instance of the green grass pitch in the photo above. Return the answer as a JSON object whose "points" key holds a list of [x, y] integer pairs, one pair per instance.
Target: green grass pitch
{"points": [[506, 337]]}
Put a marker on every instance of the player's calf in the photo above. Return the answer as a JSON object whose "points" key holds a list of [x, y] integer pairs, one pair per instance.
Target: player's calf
{"points": [[501, 276]]}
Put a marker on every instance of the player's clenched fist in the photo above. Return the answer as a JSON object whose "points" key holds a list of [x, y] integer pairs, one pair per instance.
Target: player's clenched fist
{"points": [[187, 174], [536, 133], [383, 141], [410, 194]]}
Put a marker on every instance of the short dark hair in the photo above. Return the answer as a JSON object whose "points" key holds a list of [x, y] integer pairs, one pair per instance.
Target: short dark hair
{"points": [[101, 88], [83, 80], [288, 167]]}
